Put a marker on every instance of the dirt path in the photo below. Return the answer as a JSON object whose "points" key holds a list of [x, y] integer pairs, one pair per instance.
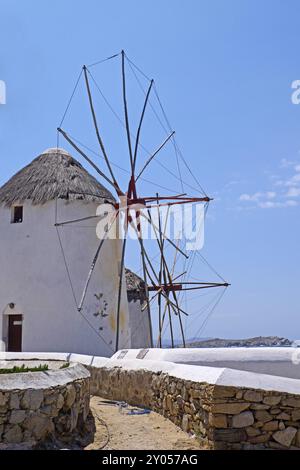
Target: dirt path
{"points": [[120, 431]]}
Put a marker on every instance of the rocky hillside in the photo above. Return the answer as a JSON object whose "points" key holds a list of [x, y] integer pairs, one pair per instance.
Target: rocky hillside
{"points": [[267, 341]]}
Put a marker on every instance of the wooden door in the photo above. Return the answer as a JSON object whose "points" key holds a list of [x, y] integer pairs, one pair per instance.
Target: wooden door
{"points": [[14, 333]]}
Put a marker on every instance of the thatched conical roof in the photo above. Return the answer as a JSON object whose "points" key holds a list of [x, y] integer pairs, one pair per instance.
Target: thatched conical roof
{"points": [[53, 174]]}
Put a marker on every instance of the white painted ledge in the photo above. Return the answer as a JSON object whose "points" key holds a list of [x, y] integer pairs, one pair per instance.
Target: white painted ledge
{"points": [[43, 380], [282, 362], [195, 355], [54, 356], [208, 374], [212, 375], [19, 356]]}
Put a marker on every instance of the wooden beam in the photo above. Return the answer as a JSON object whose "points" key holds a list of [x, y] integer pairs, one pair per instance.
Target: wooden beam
{"points": [[120, 291], [140, 126], [126, 112], [153, 155], [78, 149], [97, 129], [93, 264]]}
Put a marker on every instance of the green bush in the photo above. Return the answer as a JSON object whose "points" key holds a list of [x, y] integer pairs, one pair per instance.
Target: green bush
{"points": [[23, 368]]}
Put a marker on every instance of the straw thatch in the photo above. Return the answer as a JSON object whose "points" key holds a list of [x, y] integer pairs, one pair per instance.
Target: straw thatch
{"points": [[54, 174]]}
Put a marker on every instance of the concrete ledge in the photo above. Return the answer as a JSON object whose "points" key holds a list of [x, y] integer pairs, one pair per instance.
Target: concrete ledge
{"points": [[194, 355], [19, 356], [43, 380], [208, 374], [279, 361], [52, 356]]}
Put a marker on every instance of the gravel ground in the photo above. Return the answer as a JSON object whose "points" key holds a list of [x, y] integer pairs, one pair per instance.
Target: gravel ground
{"points": [[122, 431]]}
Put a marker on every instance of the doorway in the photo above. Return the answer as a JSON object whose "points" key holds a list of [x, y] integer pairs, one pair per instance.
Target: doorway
{"points": [[14, 333]]}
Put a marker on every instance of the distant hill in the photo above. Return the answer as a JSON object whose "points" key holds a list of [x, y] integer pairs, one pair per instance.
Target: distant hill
{"points": [[178, 342], [258, 341]]}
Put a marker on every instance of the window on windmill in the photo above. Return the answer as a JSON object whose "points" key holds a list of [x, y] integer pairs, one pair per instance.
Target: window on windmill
{"points": [[17, 215]]}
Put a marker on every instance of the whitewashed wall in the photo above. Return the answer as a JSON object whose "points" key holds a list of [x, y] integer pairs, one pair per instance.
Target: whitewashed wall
{"points": [[139, 325], [33, 276]]}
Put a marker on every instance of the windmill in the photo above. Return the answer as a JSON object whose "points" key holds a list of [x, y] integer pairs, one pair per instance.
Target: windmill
{"points": [[161, 285]]}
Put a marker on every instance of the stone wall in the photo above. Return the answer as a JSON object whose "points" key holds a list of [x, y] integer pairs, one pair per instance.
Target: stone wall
{"points": [[38, 406], [252, 418], [225, 408], [222, 417]]}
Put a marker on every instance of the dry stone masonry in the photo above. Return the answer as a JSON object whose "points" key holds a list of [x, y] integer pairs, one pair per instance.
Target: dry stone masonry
{"points": [[225, 408], [32, 413], [222, 417]]}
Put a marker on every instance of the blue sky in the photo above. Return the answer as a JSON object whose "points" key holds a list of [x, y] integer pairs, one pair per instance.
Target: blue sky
{"points": [[224, 71]]}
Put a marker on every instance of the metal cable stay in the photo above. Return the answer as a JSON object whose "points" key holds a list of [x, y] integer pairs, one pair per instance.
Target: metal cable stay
{"points": [[165, 285]]}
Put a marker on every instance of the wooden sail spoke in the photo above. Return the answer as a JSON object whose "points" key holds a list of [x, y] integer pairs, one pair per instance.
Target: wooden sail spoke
{"points": [[153, 287], [168, 304], [97, 130], [151, 300], [170, 203], [140, 126], [167, 275], [73, 221], [120, 291], [93, 264], [177, 313], [165, 294], [78, 149], [154, 155], [178, 197], [90, 275], [179, 275], [126, 112], [159, 341], [178, 310], [163, 284], [171, 325], [146, 290], [145, 273], [162, 241], [185, 286], [164, 235]]}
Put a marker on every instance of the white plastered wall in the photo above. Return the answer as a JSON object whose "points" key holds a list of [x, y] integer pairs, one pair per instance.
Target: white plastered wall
{"points": [[34, 277]]}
